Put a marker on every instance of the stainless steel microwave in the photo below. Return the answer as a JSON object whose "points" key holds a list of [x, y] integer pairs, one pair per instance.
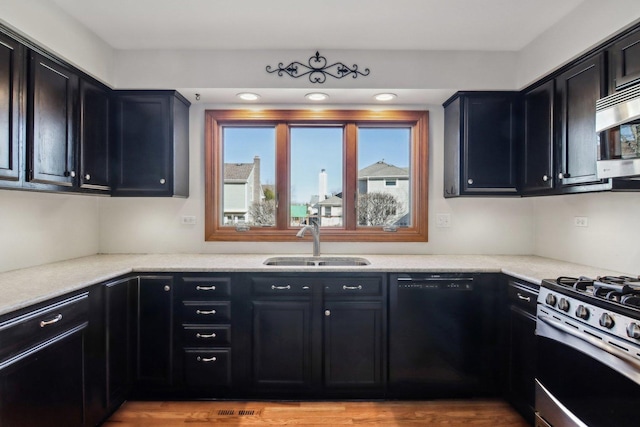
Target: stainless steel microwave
{"points": [[618, 116]]}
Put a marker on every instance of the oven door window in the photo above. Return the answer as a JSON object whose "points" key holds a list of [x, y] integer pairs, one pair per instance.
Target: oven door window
{"points": [[592, 391]]}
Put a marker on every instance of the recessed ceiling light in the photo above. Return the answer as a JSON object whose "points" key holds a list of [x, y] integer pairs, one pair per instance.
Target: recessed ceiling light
{"points": [[385, 96], [316, 96], [248, 96]]}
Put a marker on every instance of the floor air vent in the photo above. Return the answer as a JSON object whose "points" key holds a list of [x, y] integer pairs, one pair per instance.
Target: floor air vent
{"points": [[241, 412]]}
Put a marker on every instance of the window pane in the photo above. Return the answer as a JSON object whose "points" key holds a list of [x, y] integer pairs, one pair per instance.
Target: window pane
{"points": [[316, 175], [384, 184], [249, 176]]}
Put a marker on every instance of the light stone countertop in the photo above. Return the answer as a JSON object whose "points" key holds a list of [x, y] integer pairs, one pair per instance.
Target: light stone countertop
{"points": [[24, 287]]}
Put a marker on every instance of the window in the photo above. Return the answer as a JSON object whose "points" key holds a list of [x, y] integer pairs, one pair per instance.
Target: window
{"points": [[363, 174]]}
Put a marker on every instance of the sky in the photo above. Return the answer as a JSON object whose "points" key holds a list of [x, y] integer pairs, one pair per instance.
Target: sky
{"points": [[314, 149]]}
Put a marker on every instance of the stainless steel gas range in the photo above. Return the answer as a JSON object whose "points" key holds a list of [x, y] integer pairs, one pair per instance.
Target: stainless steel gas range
{"points": [[588, 352]]}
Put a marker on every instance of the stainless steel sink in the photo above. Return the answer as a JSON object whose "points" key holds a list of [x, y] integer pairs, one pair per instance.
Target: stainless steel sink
{"points": [[316, 261]]}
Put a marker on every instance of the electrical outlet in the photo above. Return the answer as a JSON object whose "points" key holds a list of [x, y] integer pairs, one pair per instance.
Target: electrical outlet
{"points": [[580, 221], [443, 220], [188, 220]]}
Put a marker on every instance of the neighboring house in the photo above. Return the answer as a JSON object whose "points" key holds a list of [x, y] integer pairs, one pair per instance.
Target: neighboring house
{"points": [[241, 188], [330, 211], [382, 177]]}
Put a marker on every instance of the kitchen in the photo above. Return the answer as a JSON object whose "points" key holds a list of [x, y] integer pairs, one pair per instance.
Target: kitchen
{"points": [[40, 228]]}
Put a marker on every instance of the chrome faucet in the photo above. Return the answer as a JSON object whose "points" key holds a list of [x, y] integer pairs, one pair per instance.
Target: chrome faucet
{"points": [[315, 231]]}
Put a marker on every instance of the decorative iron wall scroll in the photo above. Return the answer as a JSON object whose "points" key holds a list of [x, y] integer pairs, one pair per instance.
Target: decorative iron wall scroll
{"points": [[317, 69]]}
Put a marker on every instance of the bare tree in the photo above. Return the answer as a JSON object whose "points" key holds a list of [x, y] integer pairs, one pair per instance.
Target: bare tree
{"points": [[377, 208], [263, 213]]}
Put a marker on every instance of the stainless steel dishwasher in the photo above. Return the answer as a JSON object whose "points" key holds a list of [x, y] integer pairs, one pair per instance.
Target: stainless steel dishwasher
{"points": [[443, 335]]}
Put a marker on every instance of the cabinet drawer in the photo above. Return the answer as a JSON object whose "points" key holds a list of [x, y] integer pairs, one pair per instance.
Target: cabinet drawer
{"points": [[206, 312], [353, 286], [281, 286], [523, 296], [206, 336], [25, 331], [206, 287], [207, 367]]}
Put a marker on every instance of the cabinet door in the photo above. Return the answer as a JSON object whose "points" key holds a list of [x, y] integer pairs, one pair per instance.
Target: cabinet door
{"points": [[625, 62], [490, 137], [94, 136], [537, 160], [282, 338], [143, 145], [577, 90], [353, 344], [522, 350], [11, 115], [119, 324], [51, 136], [45, 388], [154, 339]]}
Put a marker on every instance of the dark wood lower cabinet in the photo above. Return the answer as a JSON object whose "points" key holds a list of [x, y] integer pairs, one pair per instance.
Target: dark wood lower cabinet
{"points": [[353, 344], [154, 333], [282, 340], [234, 337], [45, 388]]}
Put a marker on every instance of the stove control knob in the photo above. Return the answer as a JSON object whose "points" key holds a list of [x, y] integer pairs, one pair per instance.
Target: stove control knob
{"points": [[582, 312], [563, 304], [606, 321], [633, 331], [550, 300]]}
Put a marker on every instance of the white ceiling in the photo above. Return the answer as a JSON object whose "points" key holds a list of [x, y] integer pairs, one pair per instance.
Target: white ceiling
{"points": [[470, 25], [318, 24]]}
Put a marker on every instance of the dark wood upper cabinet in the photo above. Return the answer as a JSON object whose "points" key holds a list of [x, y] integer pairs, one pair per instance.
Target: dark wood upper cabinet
{"points": [[94, 136], [11, 114], [537, 168], [624, 62], [577, 90], [151, 144], [51, 117], [481, 137]]}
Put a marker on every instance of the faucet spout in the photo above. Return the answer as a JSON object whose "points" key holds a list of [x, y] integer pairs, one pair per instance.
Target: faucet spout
{"points": [[315, 232]]}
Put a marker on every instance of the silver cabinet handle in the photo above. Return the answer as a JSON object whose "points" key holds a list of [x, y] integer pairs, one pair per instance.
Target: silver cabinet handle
{"points": [[205, 312], [162, 180], [206, 288], [327, 313], [524, 297], [564, 175], [87, 177], [351, 288], [167, 288], [72, 174], [206, 359], [211, 335], [280, 288], [470, 181], [56, 319], [545, 178]]}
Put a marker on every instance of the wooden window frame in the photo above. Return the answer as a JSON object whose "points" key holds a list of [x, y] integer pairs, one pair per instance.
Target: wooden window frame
{"points": [[350, 120]]}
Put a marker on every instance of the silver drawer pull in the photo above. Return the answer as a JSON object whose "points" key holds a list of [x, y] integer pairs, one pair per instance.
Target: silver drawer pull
{"points": [[205, 312], [211, 335], [351, 288], [56, 319], [280, 288], [206, 359], [524, 297], [206, 288]]}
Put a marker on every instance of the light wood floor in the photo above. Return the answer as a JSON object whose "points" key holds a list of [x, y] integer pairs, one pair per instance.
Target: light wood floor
{"points": [[475, 413]]}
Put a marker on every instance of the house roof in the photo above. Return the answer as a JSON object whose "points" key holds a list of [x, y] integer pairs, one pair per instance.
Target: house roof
{"points": [[331, 201], [381, 169], [237, 171]]}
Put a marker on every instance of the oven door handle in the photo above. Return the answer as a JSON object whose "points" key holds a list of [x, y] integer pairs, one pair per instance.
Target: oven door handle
{"points": [[591, 340]]}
